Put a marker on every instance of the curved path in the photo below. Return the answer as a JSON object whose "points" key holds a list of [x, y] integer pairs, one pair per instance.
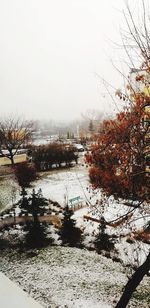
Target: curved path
{"points": [[12, 221]]}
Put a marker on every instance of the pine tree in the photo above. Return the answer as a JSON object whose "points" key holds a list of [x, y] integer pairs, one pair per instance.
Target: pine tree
{"points": [[36, 232], [34, 204], [103, 240], [69, 233], [36, 236], [23, 202], [91, 126]]}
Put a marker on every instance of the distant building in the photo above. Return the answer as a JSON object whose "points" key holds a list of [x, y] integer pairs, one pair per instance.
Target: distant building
{"points": [[20, 158]]}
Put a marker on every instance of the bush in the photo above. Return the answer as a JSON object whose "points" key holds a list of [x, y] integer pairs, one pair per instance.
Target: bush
{"points": [[46, 156], [25, 173]]}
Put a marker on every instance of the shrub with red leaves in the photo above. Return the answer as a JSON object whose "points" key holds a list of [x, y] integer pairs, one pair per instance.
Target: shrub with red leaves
{"points": [[25, 173]]}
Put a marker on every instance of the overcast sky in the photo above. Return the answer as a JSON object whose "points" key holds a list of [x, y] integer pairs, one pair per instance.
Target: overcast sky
{"points": [[50, 53]]}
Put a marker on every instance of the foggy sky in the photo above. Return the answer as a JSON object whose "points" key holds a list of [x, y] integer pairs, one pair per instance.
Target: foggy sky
{"points": [[50, 53]]}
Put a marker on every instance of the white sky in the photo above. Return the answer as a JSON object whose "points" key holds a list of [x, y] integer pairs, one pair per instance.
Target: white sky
{"points": [[50, 51]]}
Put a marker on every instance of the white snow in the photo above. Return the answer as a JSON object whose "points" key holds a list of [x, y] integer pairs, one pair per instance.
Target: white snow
{"points": [[67, 277], [67, 183]]}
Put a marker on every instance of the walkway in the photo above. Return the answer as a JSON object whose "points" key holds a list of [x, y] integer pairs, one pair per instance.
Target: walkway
{"points": [[12, 221], [11, 296], [49, 218]]}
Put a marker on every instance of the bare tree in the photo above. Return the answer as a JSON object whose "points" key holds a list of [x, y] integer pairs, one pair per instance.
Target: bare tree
{"points": [[136, 39], [92, 119], [14, 134]]}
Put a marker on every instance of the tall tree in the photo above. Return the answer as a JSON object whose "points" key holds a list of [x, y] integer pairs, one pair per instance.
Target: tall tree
{"points": [[35, 205], [120, 160], [14, 133], [119, 167]]}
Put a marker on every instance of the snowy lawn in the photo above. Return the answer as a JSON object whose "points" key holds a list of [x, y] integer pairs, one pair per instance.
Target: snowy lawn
{"points": [[70, 277], [8, 192], [58, 184]]}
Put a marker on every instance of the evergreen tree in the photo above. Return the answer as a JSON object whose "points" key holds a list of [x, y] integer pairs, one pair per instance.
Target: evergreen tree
{"points": [[103, 240], [69, 233], [36, 232], [91, 126], [34, 204], [68, 135], [23, 202], [36, 236]]}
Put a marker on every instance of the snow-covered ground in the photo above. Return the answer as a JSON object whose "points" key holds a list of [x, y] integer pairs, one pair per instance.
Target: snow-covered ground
{"points": [[8, 192], [134, 254], [70, 278], [66, 183], [63, 184], [58, 185]]}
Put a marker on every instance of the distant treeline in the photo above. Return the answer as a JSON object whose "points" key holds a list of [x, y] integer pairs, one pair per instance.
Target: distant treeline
{"points": [[45, 157]]}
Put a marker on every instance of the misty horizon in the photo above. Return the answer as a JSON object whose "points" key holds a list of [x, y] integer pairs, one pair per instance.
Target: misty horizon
{"points": [[52, 54]]}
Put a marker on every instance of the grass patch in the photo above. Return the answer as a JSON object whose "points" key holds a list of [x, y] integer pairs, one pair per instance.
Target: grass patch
{"points": [[142, 295]]}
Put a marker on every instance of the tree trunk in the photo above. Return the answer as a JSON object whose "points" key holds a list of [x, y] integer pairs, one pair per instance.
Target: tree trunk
{"points": [[11, 157], [12, 160], [133, 283]]}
